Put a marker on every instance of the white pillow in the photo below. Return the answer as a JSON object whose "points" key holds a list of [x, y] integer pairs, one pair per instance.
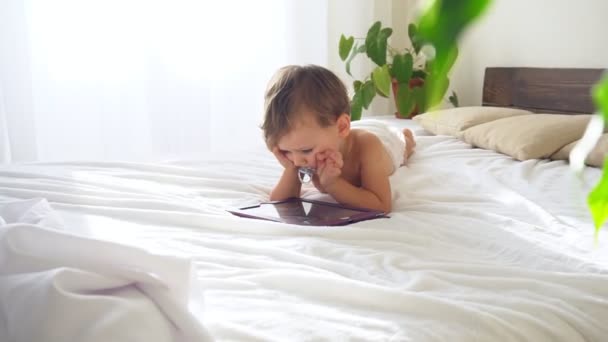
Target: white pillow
{"points": [[595, 157], [455, 120], [528, 136]]}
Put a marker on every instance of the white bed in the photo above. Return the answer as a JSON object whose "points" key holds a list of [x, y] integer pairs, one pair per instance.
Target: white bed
{"points": [[479, 247]]}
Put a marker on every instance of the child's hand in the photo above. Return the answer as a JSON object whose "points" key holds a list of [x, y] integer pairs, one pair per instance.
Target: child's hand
{"points": [[285, 162], [329, 167]]}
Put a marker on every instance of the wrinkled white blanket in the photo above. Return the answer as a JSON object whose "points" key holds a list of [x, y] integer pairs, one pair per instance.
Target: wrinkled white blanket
{"points": [[479, 247], [61, 287]]}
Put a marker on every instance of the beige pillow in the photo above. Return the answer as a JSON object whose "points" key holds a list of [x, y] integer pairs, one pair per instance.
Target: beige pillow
{"points": [[454, 120], [528, 136], [595, 157]]}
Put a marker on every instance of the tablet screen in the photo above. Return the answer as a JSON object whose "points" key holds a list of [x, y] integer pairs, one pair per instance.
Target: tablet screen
{"points": [[306, 213]]}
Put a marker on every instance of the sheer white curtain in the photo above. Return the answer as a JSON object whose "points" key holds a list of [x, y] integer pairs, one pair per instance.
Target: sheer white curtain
{"points": [[145, 80]]}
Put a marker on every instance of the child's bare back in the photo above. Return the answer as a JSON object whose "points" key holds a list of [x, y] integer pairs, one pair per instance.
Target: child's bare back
{"points": [[351, 170]]}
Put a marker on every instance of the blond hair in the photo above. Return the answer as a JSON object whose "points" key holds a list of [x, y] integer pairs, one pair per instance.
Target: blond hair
{"points": [[294, 89]]}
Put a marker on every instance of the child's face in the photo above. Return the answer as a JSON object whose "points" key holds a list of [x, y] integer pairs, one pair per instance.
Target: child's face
{"points": [[307, 138]]}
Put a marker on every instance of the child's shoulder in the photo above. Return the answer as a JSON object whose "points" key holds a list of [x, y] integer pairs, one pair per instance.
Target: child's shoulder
{"points": [[363, 136], [370, 153], [366, 143]]}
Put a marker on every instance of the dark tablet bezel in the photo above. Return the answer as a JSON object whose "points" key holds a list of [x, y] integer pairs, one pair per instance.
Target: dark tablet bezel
{"points": [[361, 215]]}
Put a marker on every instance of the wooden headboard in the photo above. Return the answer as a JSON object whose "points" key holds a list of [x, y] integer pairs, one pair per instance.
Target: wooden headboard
{"points": [[547, 90]]}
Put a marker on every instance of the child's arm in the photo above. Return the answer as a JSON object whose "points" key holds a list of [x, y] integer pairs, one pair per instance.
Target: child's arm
{"points": [[289, 185], [346, 193], [375, 190]]}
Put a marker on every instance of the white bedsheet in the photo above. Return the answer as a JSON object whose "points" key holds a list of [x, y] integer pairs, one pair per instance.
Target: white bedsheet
{"points": [[57, 287], [479, 247]]}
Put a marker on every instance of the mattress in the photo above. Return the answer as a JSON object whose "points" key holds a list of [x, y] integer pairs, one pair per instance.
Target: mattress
{"points": [[479, 247]]}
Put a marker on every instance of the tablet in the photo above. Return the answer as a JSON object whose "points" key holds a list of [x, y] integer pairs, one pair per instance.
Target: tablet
{"points": [[307, 212]]}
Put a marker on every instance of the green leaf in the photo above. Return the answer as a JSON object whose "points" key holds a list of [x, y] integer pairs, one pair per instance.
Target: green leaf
{"points": [[356, 107], [600, 97], [376, 42], [405, 100], [402, 67], [440, 26], [598, 200], [436, 89], [383, 42], [451, 58], [454, 99], [345, 45], [444, 21], [382, 80], [417, 45], [355, 51], [411, 30], [598, 197], [371, 40], [419, 94], [368, 92], [419, 74], [357, 85], [386, 32]]}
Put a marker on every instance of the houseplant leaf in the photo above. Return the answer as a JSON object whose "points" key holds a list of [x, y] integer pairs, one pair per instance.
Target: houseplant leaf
{"points": [[598, 197], [454, 99], [405, 100], [368, 92], [355, 51], [419, 74], [371, 41], [376, 42], [412, 30], [382, 80], [600, 96], [419, 94], [440, 26], [346, 44], [443, 22], [598, 200], [356, 107], [451, 58], [383, 43], [402, 67], [441, 66], [386, 32], [436, 87], [357, 85]]}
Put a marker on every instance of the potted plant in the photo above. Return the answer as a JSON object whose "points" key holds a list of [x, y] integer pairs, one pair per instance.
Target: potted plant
{"points": [[402, 71]]}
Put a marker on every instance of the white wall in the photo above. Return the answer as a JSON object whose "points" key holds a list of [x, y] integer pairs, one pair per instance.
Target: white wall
{"points": [[532, 33], [351, 18]]}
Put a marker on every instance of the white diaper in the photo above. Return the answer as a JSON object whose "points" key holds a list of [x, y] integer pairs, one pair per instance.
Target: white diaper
{"points": [[392, 138]]}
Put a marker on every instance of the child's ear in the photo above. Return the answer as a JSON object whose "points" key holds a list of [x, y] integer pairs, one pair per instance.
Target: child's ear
{"points": [[343, 124]]}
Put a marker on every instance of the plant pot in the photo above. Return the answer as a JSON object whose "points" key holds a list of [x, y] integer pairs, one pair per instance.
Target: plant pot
{"points": [[414, 82]]}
